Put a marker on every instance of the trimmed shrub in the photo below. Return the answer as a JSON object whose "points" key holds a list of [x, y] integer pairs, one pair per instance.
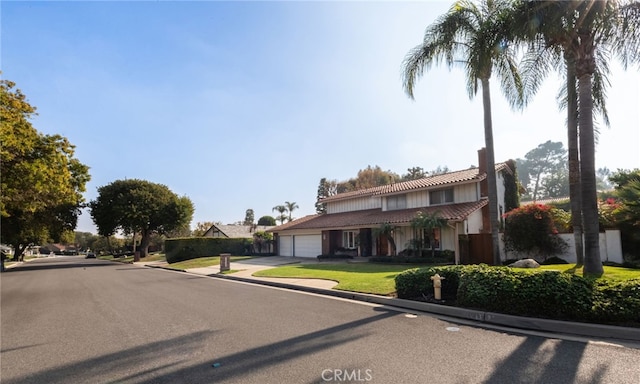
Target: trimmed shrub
{"points": [[547, 294], [181, 249], [413, 283], [616, 301]]}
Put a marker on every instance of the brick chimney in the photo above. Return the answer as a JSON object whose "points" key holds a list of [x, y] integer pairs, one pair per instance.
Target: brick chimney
{"points": [[482, 160]]}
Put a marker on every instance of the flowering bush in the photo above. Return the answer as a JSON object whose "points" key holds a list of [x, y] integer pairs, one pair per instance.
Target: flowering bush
{"points": [[608, 212], [531, 229]]}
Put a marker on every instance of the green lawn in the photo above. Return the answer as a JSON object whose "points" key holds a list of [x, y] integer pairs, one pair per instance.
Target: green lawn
{"points": [[616, 273], [202, 262], [379, 278], [362, 277]]}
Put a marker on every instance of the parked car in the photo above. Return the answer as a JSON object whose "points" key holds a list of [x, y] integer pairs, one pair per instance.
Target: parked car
{"points": [[90, 255]]}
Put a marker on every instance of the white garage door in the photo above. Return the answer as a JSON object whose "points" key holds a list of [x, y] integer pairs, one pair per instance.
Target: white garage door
{"points": [[285, 246], [307, 245]]}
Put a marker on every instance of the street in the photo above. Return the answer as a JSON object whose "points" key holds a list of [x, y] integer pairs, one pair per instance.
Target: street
{"points": [[71, 320]]}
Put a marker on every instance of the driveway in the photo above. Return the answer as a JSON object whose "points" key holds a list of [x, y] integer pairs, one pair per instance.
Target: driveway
{"points": [[246, 268]]}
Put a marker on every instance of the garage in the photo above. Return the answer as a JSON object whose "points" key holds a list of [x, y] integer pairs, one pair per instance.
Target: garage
{"points": [[307, 245], [285, 245]]}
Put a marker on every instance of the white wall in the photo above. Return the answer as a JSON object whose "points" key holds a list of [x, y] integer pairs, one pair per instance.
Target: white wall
{"points": [[356, 204], [610, 248]]}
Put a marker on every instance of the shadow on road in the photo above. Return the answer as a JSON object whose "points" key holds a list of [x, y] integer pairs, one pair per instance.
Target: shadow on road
{"points": [[539, 360], [127, 366], [257, 361], [105, 368]]}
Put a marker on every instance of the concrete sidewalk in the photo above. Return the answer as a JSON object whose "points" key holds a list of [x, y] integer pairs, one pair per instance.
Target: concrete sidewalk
{"points": [[246, 268]]}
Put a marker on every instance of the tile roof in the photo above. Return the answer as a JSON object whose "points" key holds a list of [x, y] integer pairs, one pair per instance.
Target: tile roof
{"points": [[237, 231], [435, 181], [374, 217]]}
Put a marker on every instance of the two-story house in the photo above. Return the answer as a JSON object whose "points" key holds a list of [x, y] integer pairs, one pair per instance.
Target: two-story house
{"points": [[351, 218]]}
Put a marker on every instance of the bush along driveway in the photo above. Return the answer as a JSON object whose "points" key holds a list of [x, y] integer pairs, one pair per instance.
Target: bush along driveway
{"points": [[544, 294]]}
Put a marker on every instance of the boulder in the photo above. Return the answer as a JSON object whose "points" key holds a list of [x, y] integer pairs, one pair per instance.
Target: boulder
{"points": [[525, 263]]}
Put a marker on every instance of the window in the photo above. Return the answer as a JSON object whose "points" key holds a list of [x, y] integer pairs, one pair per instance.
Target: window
{"points": [[349, 239], [442, 196], [431, 239], [396, 202]]}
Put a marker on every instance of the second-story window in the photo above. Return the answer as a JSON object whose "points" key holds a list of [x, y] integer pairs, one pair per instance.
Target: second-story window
{"points": [[442, 196], [396, 202]]}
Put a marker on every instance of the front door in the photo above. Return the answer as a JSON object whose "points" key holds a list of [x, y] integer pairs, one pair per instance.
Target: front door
{"points": [[382, 245]]}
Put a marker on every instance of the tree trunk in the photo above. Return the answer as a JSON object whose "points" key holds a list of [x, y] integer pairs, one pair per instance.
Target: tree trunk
{"points": [[144, 246], [592, 262], [574, 162], [491, 171]]}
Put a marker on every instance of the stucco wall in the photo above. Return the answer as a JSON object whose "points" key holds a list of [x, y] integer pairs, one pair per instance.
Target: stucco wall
{"points": [[610, 248]]}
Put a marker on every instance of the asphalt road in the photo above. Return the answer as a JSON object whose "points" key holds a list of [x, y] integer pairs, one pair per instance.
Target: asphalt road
{"points": [[71, 320]]}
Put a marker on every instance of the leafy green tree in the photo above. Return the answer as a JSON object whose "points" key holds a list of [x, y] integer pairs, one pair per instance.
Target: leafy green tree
{"points": [[326, 188], [546, 160], [602, 179], [84, 239], [262, 238], [42, 182], [414, 173], [139, 206], [474, 37], [267, 220], [589, 33], [627, 192], [201, 228], [368, 178], [249, 217]]}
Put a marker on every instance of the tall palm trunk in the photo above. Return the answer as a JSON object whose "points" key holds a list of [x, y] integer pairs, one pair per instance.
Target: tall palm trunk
{"points": [[574, 163], [491, 171], [592, 262]]}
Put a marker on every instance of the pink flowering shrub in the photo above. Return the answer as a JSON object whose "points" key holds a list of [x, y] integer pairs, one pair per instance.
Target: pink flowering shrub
{"points": [[531, 229]]}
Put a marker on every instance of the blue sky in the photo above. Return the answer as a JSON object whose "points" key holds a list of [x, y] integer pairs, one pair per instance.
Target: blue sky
{"points": [[243, 105]]}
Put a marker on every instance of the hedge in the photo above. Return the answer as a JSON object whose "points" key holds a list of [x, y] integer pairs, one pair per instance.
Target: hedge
{"points": [[546, 294], [416, 282], [182, 249]]}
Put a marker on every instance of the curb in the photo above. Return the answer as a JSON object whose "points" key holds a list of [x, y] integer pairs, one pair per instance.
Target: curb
{"points": [[519, 322]]}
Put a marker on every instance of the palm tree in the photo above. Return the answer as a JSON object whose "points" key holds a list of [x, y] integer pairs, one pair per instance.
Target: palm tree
{"points": [[475, 37], [588, 32], [290, 208], [427, 222], [281, 209]]}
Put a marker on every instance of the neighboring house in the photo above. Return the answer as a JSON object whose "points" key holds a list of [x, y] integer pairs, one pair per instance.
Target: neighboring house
{"points": [[58, 249], [353, 217], [241, 232], [235, 231]]}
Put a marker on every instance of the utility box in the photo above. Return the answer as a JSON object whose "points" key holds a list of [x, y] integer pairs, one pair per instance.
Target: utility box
{"points": [[225, 262]]}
